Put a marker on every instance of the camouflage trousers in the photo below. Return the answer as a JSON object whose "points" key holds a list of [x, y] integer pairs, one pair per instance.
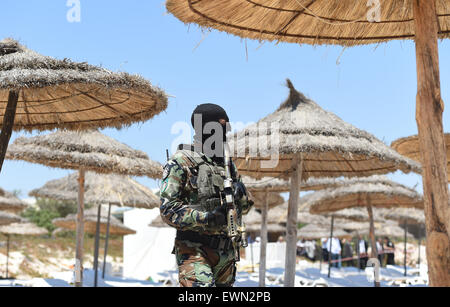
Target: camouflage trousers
{"points": [[201, 266]]}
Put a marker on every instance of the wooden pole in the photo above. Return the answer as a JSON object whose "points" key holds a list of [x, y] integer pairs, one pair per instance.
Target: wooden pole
{"points": [[106, 241], [372, 229], [263, 246], [97, 244], [429, 109], [7, 256], [358, 252], [291, 227], [406, 239], [80, 231], [331, 245], [8, 124]]}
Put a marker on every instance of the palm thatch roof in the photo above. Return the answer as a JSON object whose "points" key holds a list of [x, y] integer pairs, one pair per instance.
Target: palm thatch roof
{"points": [[158, 222], [91, 150], [271, 228], [342, 22], [409, 147], [24, 229], [68, 95], [100, 189], [386, 230], [9, 202], [90, 223], [402, 215], [357, 215], [279, 185], [8, 218], [252, 217], [313, 232], [379, 194], [329, 147], [273, 199]]}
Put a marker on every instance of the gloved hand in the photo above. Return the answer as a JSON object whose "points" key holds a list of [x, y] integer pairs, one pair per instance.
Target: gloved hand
{"points": [[217, 217], [239, 190]]}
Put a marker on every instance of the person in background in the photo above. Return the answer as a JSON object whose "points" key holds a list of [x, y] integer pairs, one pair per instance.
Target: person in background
{"points": [[301, 247], [335, 251], [310, 249], [347, 253], [324, 249], [363, 255], [380, 251], [389, 251]]}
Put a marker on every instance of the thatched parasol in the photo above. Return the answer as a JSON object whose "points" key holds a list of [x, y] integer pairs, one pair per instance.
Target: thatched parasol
{"points": [[311, 143], [387, 230], [91, 149], [266, 187], [369, 195], [23, 228], [9, 202], [7, 218], [90, 223], [158, 222], [409, 147], [271, 228], [100, 189], [43, 93], [314, 231], [354, 22]]}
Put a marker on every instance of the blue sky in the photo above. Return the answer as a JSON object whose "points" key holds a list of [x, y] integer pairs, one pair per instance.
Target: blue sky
{"points": [[371, 87]]}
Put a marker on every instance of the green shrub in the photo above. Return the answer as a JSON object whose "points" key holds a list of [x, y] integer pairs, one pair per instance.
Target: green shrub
{"points": [[46, 210]]}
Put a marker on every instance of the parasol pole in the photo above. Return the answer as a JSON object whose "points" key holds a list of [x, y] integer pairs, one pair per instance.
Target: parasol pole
{"points": [[7, 256], [331, 245], [404, 259], [251, 256], [291, 227], [80, 231], [263, 249], [8, 124], [358, 252], [429, 109], [372, 228], [106, 241], [97, 245]]}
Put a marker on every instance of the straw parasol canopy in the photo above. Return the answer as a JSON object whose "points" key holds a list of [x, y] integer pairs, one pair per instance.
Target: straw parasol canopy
{"points": [[273, 199], [329, 146], [314, 231], [23, 229], [271, 228], [100, 189], [64, 94], [9, 202], [402, 215], [90, 222], [158, 222], [8, 218], [356, 215], [91, 150], [341, 22], [376, 194], [409, 147], [386, 230], [279, 185]]}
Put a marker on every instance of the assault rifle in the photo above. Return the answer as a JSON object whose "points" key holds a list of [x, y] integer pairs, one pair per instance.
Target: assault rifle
{"points": [[236, 228]]}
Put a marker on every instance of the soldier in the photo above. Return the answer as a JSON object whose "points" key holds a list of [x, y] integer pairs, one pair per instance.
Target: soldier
{"points": [[192, 201]]}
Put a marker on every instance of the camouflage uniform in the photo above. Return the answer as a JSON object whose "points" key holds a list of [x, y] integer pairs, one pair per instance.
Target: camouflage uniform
{"points": [[191, 187]]}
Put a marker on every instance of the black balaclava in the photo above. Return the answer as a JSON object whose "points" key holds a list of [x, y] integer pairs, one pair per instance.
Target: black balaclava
{"points": [[207, 116]]}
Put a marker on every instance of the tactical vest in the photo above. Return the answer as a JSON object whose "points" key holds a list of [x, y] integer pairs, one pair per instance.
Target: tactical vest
{"points": [[207, 180]]}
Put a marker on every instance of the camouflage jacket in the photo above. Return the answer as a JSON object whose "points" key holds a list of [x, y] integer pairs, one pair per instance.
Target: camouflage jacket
{"points": [[180, 196]]}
